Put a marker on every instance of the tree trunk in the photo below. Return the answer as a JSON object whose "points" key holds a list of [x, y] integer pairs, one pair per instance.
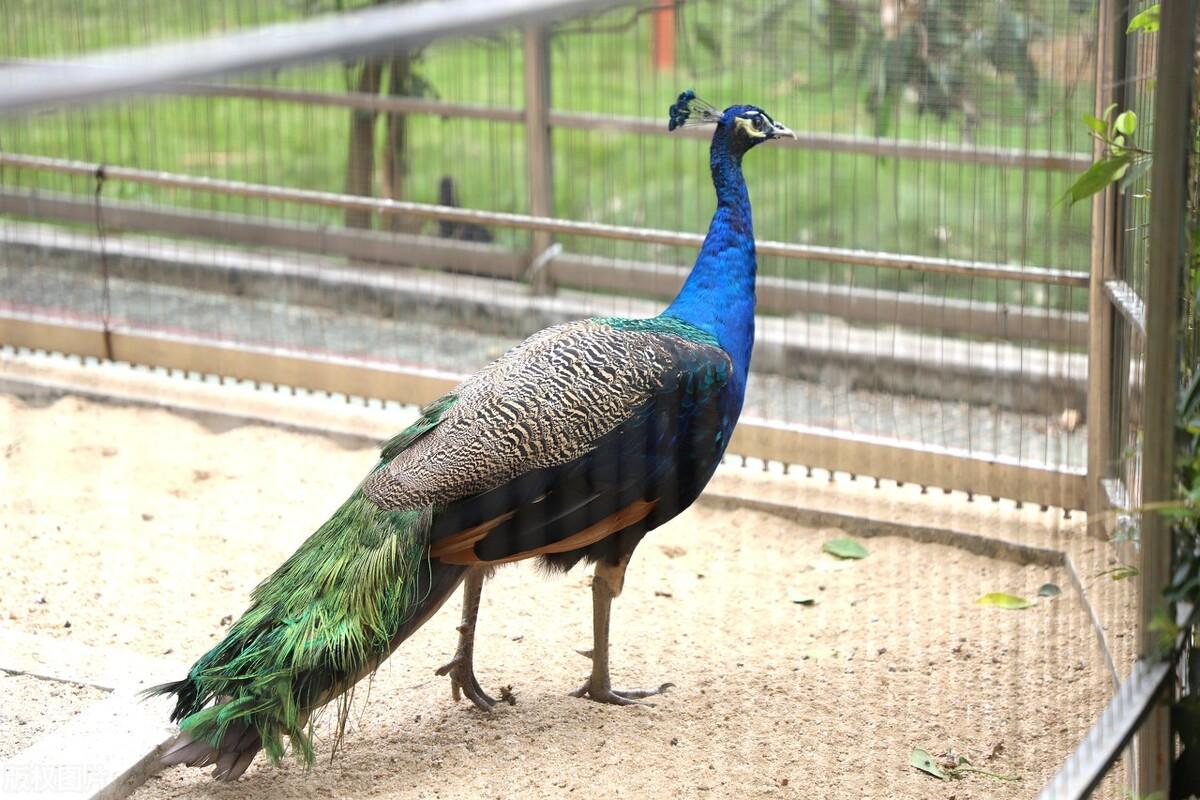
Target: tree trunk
{"points": [[395, 154], [360, 159]]}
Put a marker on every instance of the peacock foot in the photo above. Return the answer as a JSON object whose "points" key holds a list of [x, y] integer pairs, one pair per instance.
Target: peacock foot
{"points": [[603, 693], [463, 682]]}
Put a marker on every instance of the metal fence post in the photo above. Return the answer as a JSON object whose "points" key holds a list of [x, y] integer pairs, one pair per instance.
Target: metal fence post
{"points": [[1167, 261], [539, 159]]}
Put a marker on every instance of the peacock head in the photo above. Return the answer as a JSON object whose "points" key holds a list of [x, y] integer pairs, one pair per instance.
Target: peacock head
{"points": [[746, 126]]}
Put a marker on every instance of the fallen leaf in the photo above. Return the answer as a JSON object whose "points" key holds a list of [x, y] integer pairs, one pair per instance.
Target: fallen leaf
{"points": [[1004, 600], [1049, 590], [923, 761], [804, 600], [844, 548]]}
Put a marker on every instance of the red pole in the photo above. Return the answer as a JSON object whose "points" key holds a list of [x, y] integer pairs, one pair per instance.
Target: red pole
{"points": [[664, 35]]}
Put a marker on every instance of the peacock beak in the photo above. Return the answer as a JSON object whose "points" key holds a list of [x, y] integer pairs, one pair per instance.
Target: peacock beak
{"points": [[779, 131]]}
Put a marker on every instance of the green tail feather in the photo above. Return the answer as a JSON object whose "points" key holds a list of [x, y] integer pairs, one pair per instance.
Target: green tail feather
{"points": [[324, 618]]}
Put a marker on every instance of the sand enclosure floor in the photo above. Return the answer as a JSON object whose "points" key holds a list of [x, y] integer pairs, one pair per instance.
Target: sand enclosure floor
{"points": [[32, 707], [146, 531]]}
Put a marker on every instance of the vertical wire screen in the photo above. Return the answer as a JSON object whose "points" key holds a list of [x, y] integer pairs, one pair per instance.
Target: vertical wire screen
{"points": [[1129, 334], [217, 131], [993, 367], [984, 366]]}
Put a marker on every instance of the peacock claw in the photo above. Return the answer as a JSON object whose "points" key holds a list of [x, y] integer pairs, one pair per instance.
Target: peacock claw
{"points": [[463, 682], [619, 697]]}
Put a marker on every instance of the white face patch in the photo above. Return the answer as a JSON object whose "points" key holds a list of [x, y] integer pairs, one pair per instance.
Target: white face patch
{"points": [[747, 126]]}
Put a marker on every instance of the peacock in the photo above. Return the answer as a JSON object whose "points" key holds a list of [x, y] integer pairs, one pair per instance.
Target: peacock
{"points": [[570, 447]]}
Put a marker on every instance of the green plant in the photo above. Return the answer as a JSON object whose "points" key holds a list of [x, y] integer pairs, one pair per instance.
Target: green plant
{"points": [[1122, 160]]}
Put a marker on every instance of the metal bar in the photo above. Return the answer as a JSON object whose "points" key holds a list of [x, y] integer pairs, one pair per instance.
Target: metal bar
{"points": [[927, 465], [1008, 379], [284, 366], [809, 140], [357, 100], [833, 255], [538, 158], [875, 306], [951, 469], [357, 33], [1166, 267], [1126, 300], [842, 143], [775, 295], [1101, 747], [361, 245], [1110, 38]]}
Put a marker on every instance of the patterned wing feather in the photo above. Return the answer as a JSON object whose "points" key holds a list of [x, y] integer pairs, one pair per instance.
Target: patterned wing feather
{"points": [[545, 402]]}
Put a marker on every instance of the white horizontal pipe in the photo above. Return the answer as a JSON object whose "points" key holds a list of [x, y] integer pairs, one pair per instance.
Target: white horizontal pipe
{"points": [[386, 28]]}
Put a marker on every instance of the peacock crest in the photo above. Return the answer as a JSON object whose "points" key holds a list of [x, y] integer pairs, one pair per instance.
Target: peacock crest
{"points": [[690, 111]]}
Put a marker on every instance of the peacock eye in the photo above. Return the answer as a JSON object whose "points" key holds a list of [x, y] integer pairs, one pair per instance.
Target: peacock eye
{"points": [[759, 123]]}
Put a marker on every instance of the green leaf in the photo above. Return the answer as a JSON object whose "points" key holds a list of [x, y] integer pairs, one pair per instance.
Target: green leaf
{"points": [[1098, 176], [1177, 511], [1126, 123], [1111, 107], [1146, 21], [1095, 124], [1004, 600], [1049, 590], [844, 548], [1120, 573], [923, 761]]}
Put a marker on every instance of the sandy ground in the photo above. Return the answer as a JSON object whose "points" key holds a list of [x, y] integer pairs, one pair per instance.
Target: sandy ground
{"points": [[31, 707], [146, 531]]}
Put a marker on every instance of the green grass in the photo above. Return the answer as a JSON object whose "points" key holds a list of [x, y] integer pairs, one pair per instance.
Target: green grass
{"points": [[922, 207]]}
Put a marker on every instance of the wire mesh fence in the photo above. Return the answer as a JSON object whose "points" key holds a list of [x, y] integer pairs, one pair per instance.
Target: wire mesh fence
{"points": [[930, 137], [923, 286]]}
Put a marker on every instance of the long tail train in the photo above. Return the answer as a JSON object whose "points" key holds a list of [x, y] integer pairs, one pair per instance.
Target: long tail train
{"points": [[324, 620]]}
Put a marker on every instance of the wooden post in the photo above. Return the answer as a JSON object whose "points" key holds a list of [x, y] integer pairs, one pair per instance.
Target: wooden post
{"points": [[395, 154], [360, 158], [664, 35], [1167, 262], [1110, 38], [539, 158]]}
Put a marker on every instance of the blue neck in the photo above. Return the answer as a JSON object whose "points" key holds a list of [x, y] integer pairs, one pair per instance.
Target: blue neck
{"points": [[718, 296]]}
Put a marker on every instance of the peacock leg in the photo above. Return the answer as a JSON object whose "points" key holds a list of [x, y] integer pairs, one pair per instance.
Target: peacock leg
{"points": [[461, 668], [606, 585]]}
